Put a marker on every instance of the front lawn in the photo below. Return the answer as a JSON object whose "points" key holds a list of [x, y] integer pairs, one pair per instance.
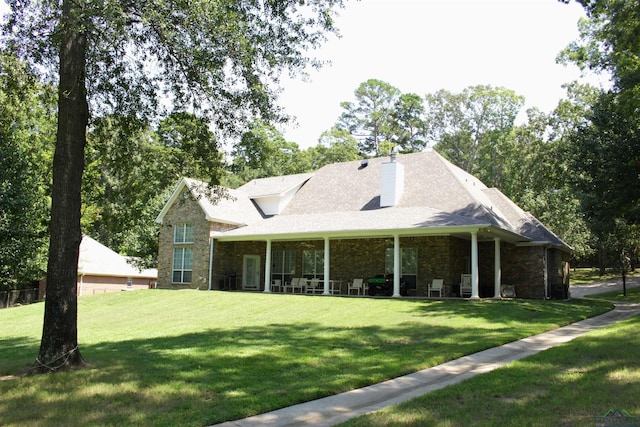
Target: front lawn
{"points": [[575, 384], [633, 295], [199, 358]]}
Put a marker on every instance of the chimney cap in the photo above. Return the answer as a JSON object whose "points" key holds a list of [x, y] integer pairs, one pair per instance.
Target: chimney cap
{"points": [[393, 153]]}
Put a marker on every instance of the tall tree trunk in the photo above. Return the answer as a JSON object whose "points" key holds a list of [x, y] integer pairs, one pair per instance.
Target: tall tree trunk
{"points": [[59, 345]]}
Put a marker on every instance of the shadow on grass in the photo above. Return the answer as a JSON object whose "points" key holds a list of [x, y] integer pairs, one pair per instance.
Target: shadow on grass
{"points": [[224, 374], [514, 312], [575, 384]]}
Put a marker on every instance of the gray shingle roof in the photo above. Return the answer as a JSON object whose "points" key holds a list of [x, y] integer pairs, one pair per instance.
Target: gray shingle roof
{"points": [[218, 204], [344, 198], [274, 185]]}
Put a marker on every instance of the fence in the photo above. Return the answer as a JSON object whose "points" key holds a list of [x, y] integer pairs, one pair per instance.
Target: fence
{"points": [[18, 297]]}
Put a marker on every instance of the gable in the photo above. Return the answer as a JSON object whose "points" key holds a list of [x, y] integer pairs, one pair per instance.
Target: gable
{"points": [[218, 204]]}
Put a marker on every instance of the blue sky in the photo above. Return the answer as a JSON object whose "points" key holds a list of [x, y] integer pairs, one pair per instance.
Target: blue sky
{"points": [[422, 46]]}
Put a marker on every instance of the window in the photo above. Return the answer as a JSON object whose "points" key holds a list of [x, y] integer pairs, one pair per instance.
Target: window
{"points": [[182, 265], [313, 263], [183, 233], [408, 261], [283, 264]]}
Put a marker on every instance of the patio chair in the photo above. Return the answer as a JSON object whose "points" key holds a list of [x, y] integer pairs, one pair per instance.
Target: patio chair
{"points": [[357, 285], [313, 286], [437, 285], [465, 285], [276, 284], [302, 285], [291, 285]]}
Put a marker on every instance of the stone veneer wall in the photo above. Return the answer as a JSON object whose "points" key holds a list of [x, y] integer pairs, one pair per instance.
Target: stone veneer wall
{"points": [[185, 210], [523, 267], [228, 258], [438, 257]]}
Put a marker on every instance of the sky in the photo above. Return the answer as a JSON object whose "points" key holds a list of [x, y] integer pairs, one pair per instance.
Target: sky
{"points": [[422, 46]]}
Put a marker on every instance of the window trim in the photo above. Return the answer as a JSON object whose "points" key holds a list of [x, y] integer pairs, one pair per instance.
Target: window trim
{"points": [[182, 270], [182, 229]]}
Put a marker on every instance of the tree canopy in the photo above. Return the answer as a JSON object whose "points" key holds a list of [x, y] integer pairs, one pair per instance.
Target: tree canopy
{"points": [[606, 146], [217, 59], [27, 126]]}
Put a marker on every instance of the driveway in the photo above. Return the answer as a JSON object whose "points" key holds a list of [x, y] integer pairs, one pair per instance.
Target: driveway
{"points": [[579, 291]]}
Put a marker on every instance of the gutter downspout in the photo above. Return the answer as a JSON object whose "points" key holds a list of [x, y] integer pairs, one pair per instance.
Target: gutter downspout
{"points": [[267, 268], [396, 266], [211, 240], [545, 263]]}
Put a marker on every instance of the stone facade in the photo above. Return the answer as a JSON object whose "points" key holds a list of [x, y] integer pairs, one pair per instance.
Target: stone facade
{"points": [[438, 257], [185, 210]]}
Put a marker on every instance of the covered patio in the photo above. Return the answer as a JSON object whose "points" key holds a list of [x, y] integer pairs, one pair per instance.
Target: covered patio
{"points": [[327, 263]]}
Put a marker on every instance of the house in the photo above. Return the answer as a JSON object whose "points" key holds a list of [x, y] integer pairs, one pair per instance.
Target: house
{"points": [[101, 269], [416, 214]]}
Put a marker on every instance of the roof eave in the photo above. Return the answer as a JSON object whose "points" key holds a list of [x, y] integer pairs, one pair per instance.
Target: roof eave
{"points": [[181, 185], [224, 221], [354, 234]]}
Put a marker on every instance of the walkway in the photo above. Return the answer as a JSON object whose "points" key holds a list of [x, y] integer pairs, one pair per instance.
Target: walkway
{"points": [[339, 408]]}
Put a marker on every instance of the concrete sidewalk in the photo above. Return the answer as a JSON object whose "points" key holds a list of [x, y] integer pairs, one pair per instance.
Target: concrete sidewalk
{"points": [[339, 408]]}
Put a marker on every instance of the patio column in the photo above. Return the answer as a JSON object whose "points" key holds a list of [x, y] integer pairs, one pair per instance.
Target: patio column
{"points": [[497, 270], [211, 263], [396, 266], [327, 266], [474, 265], [267, 268]]}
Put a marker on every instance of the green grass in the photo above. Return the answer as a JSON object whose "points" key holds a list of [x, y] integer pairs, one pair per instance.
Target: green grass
{"points": [[633, 295], [197, 358], [569, 385]]}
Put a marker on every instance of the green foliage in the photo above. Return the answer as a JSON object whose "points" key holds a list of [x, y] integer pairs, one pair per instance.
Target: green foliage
{"points": [[368, 119], [335, 145], [26, 146], [408, 125], [473, 128], [263, 152], [220, 59], [607, 145], [130, 171]]}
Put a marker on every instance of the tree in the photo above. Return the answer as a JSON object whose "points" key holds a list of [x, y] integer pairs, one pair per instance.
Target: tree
{"points": [[538, 173], [218, 58], [193, 147], [263, 152], [368, 119], [472, 128], [408, 126], [607, 145], [27, 123], [334, 146], [130, 169]]}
